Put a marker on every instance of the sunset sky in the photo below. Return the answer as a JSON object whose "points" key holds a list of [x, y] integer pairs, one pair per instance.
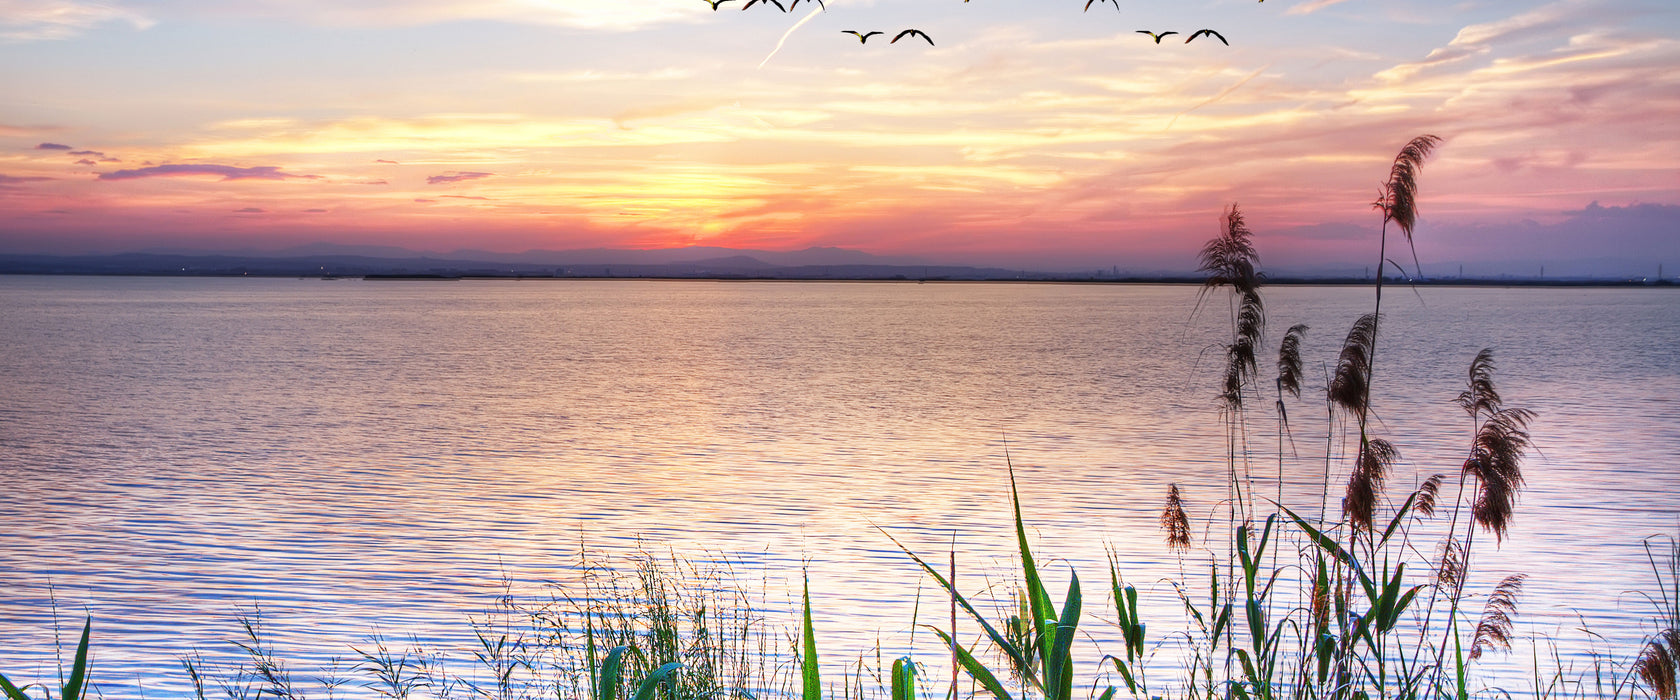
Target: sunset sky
{"points": [[1034, 133]]}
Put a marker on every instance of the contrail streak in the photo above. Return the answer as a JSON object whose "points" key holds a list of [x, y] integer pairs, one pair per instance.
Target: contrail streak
{"points": [[789, 33], [1218, 97]]}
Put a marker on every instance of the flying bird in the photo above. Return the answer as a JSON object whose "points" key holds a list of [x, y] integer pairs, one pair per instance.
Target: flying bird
{"points": [[863, 38], [912, 32], [1158, 37], [777, 3], [795, 3], [1089, 3], [715, 3], [1200, 32]]}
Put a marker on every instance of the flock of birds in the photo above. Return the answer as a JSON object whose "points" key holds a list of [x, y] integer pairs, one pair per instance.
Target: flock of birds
{"points": [[863, 37]]}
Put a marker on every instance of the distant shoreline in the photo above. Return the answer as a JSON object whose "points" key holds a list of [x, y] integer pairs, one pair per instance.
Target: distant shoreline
{"points": [[1023, 278]]}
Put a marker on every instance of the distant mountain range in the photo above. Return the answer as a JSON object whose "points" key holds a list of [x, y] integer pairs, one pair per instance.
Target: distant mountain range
{"points": [[325, 259], [588, 256]]}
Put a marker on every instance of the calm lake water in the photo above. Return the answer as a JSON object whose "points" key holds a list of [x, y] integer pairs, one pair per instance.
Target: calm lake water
{"points": [[352, 456]]}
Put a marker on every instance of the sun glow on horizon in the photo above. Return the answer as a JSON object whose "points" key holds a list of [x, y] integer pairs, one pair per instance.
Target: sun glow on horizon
{"points": [[1023, 132]]}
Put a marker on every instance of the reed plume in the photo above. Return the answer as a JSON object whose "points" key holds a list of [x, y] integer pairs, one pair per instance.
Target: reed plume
{"points": [[1449, 573], [1479, 395], [1496, 462], [1289, 362], [1397, 198], [1175, 522], [1365, 484], [1350, 386], [1240, 362], [1427, 495], [1231, 260], [1495, 629], [1659, 662]]}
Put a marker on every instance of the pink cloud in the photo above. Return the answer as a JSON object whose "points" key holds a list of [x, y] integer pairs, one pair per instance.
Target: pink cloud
{"points": [[457, 177], [227, 172]]}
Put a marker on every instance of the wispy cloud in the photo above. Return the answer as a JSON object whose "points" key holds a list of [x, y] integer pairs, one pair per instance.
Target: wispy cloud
{"points": [[455, 177], [52, 147], [251, 210], [1478, 39], [15, 179], [226, 172], [1311, 6], [580, 14], [33, 20], [672, 109]]}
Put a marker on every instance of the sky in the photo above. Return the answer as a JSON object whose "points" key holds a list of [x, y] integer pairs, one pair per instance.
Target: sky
{"points": [[1032, 133]]}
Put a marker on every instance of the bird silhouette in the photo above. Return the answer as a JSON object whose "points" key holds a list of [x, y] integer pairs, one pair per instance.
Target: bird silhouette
{"points": [[1158, 37], [1089, 3], [1208, 32], [795, 3], [777, 3], [715, 3], [912, 32], [863, 38]]}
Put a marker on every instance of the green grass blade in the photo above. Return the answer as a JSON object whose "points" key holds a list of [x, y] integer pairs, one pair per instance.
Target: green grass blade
{"points": [[1036, 595], [1124, 670], [974, 668], [1329, 544], [1107, 694], [904, 679], [73, 688], [612, 674], [1399, 517], [1017, 656], [651, 683], [12, 692], [1061, 655], [809, 671]]}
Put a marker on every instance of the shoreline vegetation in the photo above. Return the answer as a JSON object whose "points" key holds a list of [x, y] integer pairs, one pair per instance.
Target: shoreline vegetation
{"points": [[1371, 593]]}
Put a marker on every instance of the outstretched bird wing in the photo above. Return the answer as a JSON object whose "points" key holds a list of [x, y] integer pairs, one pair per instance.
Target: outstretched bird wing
{"points": [[912, 32], [1208, 32]]}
